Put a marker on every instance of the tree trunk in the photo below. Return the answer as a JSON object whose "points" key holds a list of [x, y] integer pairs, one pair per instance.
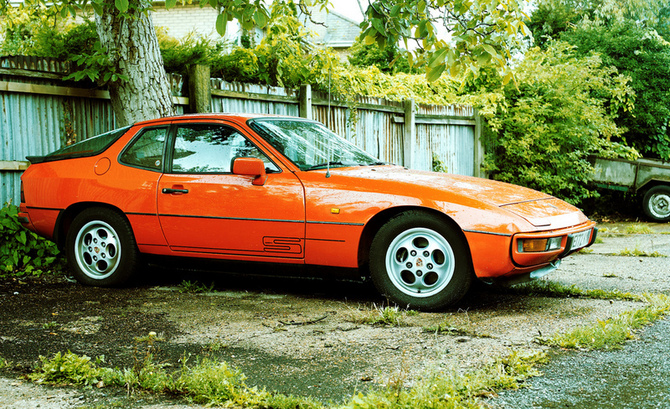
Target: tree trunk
{"points": [[130, 41]]}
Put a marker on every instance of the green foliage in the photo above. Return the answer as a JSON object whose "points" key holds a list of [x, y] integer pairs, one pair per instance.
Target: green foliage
{"points": [[613, 332], [639, 229], [555, 289], [636, 252], [23, 252], [194, 287], [34, 31], [561, 110], [644, 57], [98, 66], [480, 33], [383, 316], [216, 384], [448, 328], [207, 382], [553, 17], [67, 368], [178, 55], [389, 59], [453, 390]]}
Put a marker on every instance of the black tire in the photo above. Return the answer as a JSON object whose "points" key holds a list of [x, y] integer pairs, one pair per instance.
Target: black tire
{"points": [[101, 248], [656, 203], [419, 261]]}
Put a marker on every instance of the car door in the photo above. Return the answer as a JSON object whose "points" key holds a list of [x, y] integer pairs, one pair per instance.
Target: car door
{"points": [[204, 208]]}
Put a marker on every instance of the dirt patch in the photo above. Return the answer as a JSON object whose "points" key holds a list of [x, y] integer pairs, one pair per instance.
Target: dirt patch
{"points": [[295, 336]]}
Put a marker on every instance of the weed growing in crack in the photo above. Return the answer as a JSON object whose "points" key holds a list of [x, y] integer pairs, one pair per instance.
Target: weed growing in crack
{"points": [[638, 253], [448, 328], [549, 288], [383, 316], [639, 229], [613, 332], [68, 368], [194, 287], [450, 389], [215, 383]]}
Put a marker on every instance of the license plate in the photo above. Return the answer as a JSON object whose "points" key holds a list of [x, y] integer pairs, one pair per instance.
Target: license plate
{"points": [[580, 239]]}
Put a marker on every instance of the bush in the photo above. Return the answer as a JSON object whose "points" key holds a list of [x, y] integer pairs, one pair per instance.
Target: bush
{"points": [[645, 57], [23, 252], [561, 111]]}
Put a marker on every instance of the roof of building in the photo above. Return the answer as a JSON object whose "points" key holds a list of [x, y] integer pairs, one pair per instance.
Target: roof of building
{"points": [[331, 28]]}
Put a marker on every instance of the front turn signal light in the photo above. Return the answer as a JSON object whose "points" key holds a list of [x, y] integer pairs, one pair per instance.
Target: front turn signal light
{"points": [[539, 245]]}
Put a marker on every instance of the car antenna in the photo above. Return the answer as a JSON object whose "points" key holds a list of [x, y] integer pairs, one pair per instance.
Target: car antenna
{"points": [[330, 154]]}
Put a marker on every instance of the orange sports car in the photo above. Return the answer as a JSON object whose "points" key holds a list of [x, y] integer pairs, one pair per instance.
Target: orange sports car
{"points": [[287, 190]]}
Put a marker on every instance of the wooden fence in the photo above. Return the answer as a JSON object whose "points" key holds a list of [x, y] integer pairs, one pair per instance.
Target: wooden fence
{"points": [[39, 112]]}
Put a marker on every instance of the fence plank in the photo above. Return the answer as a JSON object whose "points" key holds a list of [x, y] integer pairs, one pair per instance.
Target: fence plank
{"points": [[37, 117]]}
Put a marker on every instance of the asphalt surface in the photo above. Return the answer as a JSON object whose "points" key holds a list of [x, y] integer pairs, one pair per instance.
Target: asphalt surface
{"points": [[637, 376]]}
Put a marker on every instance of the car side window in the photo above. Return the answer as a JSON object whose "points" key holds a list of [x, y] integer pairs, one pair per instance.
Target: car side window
{"points": [[147, 149], [207, 148]]}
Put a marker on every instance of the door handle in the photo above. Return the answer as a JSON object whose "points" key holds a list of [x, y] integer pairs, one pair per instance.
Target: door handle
{"points": [[169, 191]]}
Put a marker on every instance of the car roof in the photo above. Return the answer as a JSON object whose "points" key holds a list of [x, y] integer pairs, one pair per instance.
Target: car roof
{"points": [[235, 116]]}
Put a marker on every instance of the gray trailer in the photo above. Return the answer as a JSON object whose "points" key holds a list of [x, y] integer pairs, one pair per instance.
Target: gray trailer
{"points": [[647, 178]]}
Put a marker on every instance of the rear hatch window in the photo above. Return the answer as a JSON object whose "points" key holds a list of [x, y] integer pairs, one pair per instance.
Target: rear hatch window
{"points": [[88, 147]]}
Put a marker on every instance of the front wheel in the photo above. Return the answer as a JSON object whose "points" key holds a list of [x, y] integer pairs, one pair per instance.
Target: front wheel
{"points": [[656, 203], [418, 261], [101, 248]]}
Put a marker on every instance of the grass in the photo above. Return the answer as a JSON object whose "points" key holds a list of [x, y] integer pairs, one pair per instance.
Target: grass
{"points": [[612, 333], [214, 383], [639, 229], [382, 316], [554, 289], [5, 364], [194, 287], [638, 253], [447, 328], [450, 389]]}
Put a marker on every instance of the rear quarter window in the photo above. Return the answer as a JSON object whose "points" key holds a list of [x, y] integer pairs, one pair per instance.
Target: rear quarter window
{"points": [[89, 147]]}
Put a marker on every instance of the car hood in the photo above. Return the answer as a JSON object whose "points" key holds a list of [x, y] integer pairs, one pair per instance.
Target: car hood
{"points": [[539, 209]]}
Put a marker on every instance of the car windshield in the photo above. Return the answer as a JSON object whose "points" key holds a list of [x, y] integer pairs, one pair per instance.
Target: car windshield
{"points": [[310, 145]]}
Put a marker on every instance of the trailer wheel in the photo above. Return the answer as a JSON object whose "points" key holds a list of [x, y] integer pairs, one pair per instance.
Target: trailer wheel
{"points": [[656, 203]]}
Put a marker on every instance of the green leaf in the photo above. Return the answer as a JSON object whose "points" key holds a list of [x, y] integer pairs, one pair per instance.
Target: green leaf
{"points": [[260, 18], [435, 72], [97, 7], [170, 3], [121, 5], [221, 22], [379, 26], [438, 57]]}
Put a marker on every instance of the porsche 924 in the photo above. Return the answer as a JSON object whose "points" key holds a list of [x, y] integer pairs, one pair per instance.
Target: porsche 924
{"points": [[274, 189]]}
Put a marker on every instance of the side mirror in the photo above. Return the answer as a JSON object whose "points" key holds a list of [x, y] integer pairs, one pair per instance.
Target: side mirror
{"points": [[251, 167]]}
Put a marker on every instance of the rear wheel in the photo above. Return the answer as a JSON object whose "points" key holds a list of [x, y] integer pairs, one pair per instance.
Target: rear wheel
{"points": [[656, 203], [418, 261], [101, 248]]}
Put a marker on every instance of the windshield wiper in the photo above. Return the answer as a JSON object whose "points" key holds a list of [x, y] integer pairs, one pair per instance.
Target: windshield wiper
{"points": [[374, 163], [325, 165]]}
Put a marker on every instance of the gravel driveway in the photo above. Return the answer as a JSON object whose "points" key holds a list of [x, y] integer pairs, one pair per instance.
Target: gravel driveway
{"points": [[299, 336]]}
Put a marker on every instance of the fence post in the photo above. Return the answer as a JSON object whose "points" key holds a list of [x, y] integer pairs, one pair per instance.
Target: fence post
{"points": [[305, 102], [409, 133], [199, 89], [479, 147]]}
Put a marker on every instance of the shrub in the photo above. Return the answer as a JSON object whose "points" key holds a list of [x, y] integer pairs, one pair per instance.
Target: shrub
{"points": [[23, 252], [561, 110]]}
